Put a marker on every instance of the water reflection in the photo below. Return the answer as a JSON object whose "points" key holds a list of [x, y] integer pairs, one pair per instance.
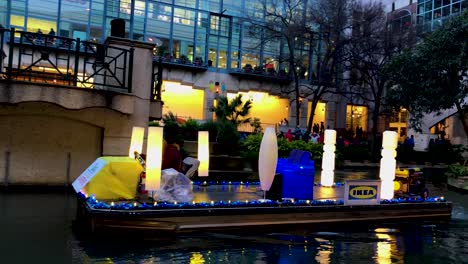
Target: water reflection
{"points": [[384, 248]]}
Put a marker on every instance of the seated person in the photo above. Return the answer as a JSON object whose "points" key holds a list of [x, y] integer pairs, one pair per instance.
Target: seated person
{"points": [[172, 157]]}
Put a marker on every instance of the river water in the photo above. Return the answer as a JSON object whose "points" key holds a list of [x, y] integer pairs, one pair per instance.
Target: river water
{"points": [[37, 227]]}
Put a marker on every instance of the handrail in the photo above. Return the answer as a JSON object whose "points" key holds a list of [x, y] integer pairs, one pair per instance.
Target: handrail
{"points": [[61, 61]]}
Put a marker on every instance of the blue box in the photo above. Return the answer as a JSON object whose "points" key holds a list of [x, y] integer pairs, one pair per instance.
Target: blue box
{"points": [[298, 184]]}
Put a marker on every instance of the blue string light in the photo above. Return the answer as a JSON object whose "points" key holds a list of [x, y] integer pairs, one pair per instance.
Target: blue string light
{"points": [[134, 205]]}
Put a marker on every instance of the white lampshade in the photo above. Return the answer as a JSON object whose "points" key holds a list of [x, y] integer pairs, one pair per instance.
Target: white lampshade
{"points": [[390, 139], [330, 136], [267, 158], [154, 158], [203, 153], [388, 164], [136, 142], [328, 158]]}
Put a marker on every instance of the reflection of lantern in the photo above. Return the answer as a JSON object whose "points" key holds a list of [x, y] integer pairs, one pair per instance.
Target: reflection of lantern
{"points": [[267, 158], [388, 164], [154, 158], [203, 153], [136, 142], [328, 159]]}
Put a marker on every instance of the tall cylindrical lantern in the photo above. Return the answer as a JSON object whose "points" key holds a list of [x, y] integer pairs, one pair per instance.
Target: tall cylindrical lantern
{"points": [[328, 159], [203, 153], [136, 142], [267, 158], [388, 164], [154, 158]]}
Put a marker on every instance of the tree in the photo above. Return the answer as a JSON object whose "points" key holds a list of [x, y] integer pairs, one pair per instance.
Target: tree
{"points": [[433, 76], [331, 18], [284, 24], [371, 47], [234, 111]]}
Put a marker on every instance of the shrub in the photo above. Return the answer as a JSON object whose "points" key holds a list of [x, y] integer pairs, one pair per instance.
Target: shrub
{"points": [[212, 128], [228, 137], [154, 123], [190, 128]]}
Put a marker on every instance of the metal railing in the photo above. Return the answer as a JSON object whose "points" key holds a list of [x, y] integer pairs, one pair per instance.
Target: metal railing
{"points": [[53, 60]]}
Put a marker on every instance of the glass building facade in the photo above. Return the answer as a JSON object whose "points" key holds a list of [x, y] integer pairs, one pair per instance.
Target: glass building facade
{"points": [[214, 31], [432, 13]]}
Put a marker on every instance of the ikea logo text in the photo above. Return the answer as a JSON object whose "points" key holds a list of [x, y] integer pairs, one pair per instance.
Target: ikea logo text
{"points": [[363, 192]]}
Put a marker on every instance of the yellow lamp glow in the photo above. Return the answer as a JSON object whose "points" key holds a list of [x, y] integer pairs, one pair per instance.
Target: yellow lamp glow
{"points": [[136, 142], [388, 164], [267, 159], [154, 158], [328, 159], [203, 153]]}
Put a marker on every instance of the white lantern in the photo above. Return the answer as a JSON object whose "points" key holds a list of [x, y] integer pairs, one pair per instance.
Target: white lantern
{"points": [[388, 164], [136, 142], [267, 159], [203, 153], [154, 158], [328, 158]]}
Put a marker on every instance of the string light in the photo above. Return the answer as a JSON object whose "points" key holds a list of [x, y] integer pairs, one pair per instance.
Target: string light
{"points": [[132, 205]]}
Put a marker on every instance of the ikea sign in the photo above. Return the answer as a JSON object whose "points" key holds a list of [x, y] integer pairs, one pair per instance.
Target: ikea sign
{"points": [[362, 192]]}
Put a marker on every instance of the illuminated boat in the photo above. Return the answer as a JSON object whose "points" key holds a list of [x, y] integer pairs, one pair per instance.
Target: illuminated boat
{"points": [[96, 216]]}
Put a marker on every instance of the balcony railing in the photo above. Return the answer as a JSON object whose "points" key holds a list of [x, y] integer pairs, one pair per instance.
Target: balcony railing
{"points": [[59, 61], [262, 75]]}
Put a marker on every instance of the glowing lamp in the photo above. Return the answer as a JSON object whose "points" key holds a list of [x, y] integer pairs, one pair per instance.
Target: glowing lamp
{"points": [[267, 159], [154, 158], [203, 153], [136, 142], [328, 159], [388, 164]]}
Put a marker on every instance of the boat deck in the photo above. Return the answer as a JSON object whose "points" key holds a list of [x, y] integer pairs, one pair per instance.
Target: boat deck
{"points": [[221, 207]]}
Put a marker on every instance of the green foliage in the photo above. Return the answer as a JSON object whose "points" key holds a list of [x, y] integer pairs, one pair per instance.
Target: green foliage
{"points": [[191, 128], [257, 125], [457, 170], [169, 118], [234, 111], [252, 145], [284, 147], [212, 128], [154, 123], [228, 137], [432, 77]]}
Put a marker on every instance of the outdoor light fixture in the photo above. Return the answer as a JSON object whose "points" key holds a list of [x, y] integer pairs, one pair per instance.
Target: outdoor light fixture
{"points": [[328, 159], [388, 164], [136, 142], [203, 153], [154, 158], [267, 159]]}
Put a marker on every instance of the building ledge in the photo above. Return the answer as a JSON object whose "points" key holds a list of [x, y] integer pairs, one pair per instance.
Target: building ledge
{"points": [[261, 77], [175, 64]]}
